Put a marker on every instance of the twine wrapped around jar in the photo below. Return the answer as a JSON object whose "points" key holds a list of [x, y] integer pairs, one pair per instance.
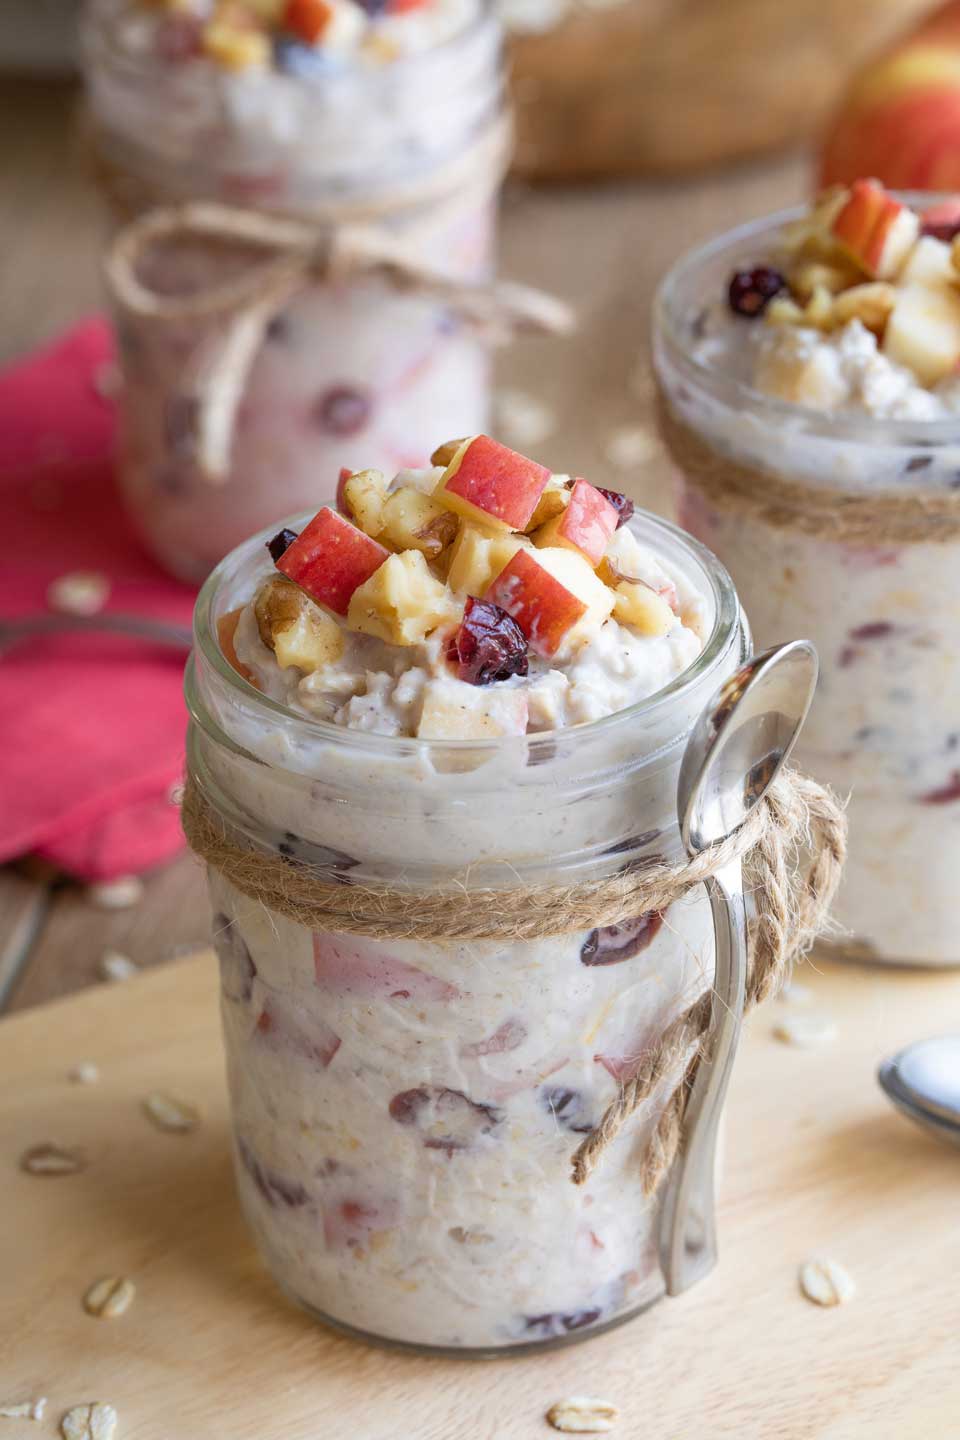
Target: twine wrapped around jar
{"points": [[822, 510], [233, 314], [798, 817]]}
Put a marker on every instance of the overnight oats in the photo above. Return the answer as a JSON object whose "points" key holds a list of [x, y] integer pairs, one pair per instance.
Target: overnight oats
{"points": [[389, 116], [478, 675], [809, 368]]}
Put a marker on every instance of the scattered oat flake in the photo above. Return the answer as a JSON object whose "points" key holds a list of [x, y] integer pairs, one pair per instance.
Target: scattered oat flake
{"points": [[522, 418], [80, 592], [582, 1416], [807, 1032], [824, 1282], [96, 1421], [120, 894], [114, 966], [170, 1114], [50, 1159], [175, 793], [630, 446], [109, 1297], [25, 1410], [84, 1073]]}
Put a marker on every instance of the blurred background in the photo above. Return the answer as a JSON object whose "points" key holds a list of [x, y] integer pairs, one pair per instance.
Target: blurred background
{"points": [[643, 126]]}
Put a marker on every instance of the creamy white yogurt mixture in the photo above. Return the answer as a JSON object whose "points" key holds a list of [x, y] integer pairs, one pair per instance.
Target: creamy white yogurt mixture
{"points": [[885, 725], [405, 1113]]}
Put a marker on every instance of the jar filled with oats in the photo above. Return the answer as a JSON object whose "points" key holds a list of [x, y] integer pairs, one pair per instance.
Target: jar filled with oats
{"points": [[808, 366], [339, 113]]}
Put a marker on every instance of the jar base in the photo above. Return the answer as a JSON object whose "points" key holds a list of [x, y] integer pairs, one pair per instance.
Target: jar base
{"points": [[472, 1352]]}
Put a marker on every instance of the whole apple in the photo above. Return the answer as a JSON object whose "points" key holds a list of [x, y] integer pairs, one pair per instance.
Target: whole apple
{"points": [[900, 119]]}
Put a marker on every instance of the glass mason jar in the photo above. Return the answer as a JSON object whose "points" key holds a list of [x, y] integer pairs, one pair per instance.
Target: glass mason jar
{"points": [[349, 370], [885, 725], [405, 1113]]}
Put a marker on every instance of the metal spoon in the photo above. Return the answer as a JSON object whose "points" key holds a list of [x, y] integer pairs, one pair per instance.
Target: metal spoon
{"points": [[162, 632], [735, 751], [923, 1081]]}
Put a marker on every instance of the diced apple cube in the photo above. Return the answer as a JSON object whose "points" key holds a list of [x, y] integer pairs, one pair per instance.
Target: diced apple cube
{"points": [[361, 496], [330, 559], [414, 521], [444, 453], [585, 524], [235, 48], [554, 596], [637, 605], [923, 329], [455, 711], [491, 485], [298, 632], [554, 499], [401, 602], [477, 556], [876, 231]]}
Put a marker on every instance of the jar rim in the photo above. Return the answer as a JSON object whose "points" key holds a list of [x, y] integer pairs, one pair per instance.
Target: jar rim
{"points": [[671, 326], [727, 622]]}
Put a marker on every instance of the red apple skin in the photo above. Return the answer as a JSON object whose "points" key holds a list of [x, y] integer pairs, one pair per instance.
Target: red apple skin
{"points": [[492, 484], [278, 1031], [900, 118], [588, 521], [342, 479], [349, 967], [543, 608], [331, 558], [864, 222]]}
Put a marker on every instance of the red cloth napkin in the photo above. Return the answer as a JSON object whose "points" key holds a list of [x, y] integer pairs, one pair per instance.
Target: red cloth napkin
{"points": [[91, 726]]}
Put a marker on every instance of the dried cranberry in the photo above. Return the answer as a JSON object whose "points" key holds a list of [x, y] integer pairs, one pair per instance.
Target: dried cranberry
{"points": [[556, 1324], [569, 1107], [343, 410], [751, 291], [276, 1189], [613, 943], [945, 230], [450, 1121], [621, 503], [873, 630], [947, 794], [488, 646], [281, 543]]}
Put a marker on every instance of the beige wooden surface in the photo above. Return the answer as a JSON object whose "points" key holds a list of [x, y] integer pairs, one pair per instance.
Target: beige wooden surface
{"points": [[602, 248], [817, 1163]]}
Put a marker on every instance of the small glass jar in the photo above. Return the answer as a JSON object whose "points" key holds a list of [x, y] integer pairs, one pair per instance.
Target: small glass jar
{"points": [[405, 1113], [346, 371], [885, 725]]}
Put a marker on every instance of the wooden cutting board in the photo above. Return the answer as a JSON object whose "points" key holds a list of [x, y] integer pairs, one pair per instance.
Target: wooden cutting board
{"points": [[816, 1163]]}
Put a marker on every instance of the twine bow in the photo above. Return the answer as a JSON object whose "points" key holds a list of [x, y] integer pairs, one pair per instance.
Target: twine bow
{"points": [[232, 315], [797, 817]]}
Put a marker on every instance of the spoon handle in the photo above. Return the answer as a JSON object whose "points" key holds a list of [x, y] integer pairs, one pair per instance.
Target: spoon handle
{"points": [[688, 1235]]}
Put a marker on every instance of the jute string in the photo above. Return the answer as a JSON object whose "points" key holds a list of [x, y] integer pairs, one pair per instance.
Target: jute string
{"points": [[797, 819], [225, 320], [821, 510]]}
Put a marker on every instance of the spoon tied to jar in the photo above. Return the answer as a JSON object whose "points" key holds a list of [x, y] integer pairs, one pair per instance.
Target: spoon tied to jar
{"points": [[736, 750]]}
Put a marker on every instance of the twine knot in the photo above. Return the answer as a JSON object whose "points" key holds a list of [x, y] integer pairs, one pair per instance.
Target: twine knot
{"points": [[230, 316], [792, 845]]}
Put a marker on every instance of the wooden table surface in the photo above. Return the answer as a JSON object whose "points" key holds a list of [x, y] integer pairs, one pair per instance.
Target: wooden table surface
{"points": [[601, 248]]}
